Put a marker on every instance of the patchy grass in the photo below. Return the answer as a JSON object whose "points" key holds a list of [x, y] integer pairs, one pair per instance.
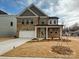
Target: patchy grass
{"points": [[46, 48]]}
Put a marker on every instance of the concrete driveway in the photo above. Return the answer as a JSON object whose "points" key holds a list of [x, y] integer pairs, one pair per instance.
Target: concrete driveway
{"points": [[5, 46]]}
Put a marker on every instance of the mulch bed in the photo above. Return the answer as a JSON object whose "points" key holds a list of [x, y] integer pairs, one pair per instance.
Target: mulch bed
{"points": [[44, 40], [62, 50]]}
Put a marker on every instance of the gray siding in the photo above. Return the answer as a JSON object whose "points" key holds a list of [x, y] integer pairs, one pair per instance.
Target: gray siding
{"points": [[5, 25]]}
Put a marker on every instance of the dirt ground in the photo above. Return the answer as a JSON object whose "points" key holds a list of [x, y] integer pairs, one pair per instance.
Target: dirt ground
{"points": [[5, 38], [44, 49]]}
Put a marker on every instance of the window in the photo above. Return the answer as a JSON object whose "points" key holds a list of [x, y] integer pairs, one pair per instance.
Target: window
{"points": [[42, 22], [55, 32], [50, 22], [31, 22], [50, 32], [11, 24], [54, 22], [22, 21]]}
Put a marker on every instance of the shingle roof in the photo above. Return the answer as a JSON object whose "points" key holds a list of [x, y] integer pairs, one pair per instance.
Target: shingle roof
{"points": [[35, 9], [2, 12], [53, 18]]}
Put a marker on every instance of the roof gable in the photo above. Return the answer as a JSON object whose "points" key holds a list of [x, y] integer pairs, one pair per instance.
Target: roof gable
{"points": [[32, 10], [27, 12], [37, 10], [2, 12]]}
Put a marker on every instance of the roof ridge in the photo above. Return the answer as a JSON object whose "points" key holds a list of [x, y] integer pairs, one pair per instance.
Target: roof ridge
{"points": [[3, 12], [38, 9], [32, 10], [24, 9]]}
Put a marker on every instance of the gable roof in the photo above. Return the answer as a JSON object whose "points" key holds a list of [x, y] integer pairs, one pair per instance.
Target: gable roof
{"points": [[27, 13], [34, 11], [2, 12]]}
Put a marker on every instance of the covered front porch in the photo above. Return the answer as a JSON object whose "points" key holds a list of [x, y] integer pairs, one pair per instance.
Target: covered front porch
{"points": [[46, 31]]}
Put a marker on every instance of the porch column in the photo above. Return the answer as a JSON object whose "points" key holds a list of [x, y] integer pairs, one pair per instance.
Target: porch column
{"points": [[46, 32], [35, 32], [60, 32]]}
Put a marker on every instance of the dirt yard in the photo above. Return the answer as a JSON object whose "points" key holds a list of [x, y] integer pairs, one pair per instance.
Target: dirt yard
{"points": [[5, 38], [44, 48]]}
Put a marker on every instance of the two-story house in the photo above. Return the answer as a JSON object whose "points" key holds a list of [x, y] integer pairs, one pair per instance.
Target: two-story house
{"points": [[36, 24]]}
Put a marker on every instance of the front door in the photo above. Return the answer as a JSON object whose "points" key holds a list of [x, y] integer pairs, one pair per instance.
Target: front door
{"points": [[41, 32]]}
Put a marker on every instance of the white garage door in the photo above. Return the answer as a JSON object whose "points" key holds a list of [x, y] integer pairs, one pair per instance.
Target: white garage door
{"points": [[27, 34]]}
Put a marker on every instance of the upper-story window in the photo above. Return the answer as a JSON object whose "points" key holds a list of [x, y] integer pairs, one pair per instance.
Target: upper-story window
{"points": [[50, 22], [31, 21], [54, 21], [42, 22], [11, 24], [22, 21]]}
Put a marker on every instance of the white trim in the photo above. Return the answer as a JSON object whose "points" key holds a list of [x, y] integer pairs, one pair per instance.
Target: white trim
{"points": [[35, 32], [26, 16], [32, 12], [61, 32], [31, 16], [43, 16], [48, 26], [46, 32]]}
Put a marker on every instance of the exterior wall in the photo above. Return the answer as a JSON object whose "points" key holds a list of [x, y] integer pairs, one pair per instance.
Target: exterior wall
{"points": [[5, 25], [29, 27], [26, 26]]}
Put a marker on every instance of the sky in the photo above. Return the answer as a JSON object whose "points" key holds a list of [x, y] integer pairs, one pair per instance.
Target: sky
{"points": [[66, 10]]}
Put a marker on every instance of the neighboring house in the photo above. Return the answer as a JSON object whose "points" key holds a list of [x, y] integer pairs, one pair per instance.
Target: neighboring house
{"points": [[33, 23], [74, 33], [7, 24]]}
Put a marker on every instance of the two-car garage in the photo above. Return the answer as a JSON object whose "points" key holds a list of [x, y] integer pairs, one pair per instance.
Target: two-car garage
{"points": [[26, 34]]}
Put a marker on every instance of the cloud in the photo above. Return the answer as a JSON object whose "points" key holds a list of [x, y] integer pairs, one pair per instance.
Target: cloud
{"points": [[68, 10], [46, 6]]}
